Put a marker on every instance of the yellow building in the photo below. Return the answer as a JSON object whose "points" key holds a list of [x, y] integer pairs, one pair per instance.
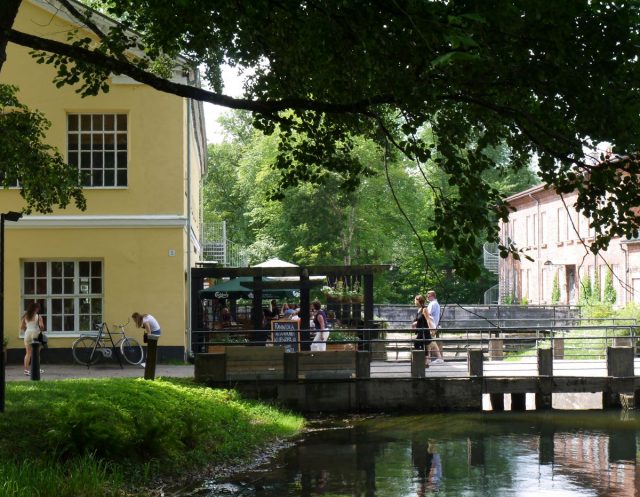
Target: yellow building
{"points": [[142, 154]]}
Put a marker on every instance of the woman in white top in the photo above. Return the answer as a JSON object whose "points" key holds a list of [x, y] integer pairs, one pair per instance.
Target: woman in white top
{"points": [[32, 325], [149, 323]]}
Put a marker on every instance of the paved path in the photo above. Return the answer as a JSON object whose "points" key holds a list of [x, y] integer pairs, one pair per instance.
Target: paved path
{"points": [[63, 371]]}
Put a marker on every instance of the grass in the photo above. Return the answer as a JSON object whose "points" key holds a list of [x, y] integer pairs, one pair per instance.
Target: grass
{"points": [[97, 437], [578, 345]]}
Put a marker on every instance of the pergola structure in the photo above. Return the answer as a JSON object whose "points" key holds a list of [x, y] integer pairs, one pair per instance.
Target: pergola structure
{"points": [[258, 285]]}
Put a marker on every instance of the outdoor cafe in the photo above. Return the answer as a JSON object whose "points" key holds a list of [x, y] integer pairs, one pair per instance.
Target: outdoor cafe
{"points": [[245, 291]]}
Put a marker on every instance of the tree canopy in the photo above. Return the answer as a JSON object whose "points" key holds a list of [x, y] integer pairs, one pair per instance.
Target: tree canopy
{"points": [[548, 79]]}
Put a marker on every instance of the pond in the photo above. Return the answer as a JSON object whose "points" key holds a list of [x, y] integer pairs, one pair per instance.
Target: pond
{"points": [[559, 453]]}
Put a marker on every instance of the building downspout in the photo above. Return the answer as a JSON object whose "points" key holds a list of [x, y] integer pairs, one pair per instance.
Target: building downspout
{"points": [[539, 249], [625, 249], [189, 248]]}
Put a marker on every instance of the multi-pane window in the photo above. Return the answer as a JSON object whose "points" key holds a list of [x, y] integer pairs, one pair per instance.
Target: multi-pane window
{"points": [[98, 147], [69, 293]]}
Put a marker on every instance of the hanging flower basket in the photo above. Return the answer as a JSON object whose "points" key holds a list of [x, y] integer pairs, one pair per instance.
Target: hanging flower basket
{"points": [[357, 299]]}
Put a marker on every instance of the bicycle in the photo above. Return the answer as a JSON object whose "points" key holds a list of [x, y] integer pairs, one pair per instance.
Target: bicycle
{"points": [[87, 349]]}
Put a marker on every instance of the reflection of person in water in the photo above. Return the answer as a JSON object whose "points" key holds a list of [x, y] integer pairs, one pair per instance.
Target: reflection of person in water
{"points": [[428, 467]]}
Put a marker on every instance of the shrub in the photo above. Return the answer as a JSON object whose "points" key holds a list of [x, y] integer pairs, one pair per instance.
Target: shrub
{"points": [[609, 296], [555, 290]]}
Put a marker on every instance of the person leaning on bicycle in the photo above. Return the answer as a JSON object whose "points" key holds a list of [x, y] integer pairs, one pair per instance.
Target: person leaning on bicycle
{"points": [[149, 323]]}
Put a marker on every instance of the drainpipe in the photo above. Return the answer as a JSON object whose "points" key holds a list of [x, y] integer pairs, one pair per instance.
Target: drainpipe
{"points": [[539, 275], [625, 249], [189, 247]]}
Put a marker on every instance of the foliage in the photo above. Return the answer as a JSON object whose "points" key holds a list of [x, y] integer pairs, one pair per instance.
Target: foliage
{"points": [[596, 289], [547, 79], [129, 425], [43, 177], [555, 290], [609, 293], [585, 289]]}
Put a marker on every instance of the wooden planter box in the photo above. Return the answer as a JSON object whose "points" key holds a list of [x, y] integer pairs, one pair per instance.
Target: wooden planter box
{"points": [[332, 346]]}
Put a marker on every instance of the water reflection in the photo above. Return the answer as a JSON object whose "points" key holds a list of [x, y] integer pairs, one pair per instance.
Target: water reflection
{"points": [[496, 454]]}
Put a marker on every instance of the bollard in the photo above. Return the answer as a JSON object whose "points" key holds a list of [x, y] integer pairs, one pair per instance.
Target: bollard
{"points": [[35, 361], [152, 352]]}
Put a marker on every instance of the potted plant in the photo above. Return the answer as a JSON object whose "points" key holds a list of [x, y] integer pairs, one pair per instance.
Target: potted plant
{"points": [[355, 294], [227, 339], [340, 340]]}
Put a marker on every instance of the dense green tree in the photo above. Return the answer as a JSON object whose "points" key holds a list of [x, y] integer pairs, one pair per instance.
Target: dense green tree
{"points": [[555, 289], [585, 289], [45, 181], [609, 293], [546, 78]]}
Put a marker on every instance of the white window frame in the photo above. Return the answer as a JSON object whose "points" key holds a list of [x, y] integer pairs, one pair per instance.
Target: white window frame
{"points": [[98, 145], [84, 293]]}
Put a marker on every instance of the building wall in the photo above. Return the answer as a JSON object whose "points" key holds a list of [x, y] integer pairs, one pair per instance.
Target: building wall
{"points": [[145, 233], [557, 240]]}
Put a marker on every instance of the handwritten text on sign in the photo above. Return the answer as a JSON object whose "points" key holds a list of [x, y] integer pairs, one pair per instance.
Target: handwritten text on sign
{"points": [[286, 333]]}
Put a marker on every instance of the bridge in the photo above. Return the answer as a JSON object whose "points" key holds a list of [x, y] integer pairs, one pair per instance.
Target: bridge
{"points": [[386, 374]]}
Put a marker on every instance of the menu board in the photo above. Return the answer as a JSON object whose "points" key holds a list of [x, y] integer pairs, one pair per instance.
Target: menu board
{"points": [[286, 333]]}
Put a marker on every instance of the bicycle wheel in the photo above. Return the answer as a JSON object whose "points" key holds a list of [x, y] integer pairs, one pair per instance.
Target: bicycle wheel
{"points": [[131, 350], [82, 349]]}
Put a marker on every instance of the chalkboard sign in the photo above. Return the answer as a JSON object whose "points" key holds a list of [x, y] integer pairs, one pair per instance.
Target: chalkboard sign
{"points": [[286, 333]]}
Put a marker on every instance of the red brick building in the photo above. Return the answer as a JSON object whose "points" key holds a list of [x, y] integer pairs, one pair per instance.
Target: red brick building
{"points": [[557, 239]]}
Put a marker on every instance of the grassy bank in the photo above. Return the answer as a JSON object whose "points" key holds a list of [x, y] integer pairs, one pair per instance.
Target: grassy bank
{"points": [[86, 438]]}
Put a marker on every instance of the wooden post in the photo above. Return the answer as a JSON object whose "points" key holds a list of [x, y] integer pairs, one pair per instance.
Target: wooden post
{"points": [[558, 348], [475, 360], [544, 398], [417, 364], [619, 365], [496, 349], [363, 364], [152, 354], [291, 366]]}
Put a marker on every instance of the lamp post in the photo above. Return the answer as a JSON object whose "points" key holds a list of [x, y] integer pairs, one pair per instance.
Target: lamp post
{"points": [[13, 217]]}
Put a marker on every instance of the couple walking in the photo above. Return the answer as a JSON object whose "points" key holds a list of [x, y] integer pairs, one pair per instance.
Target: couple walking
{"points": [[426, 323]]}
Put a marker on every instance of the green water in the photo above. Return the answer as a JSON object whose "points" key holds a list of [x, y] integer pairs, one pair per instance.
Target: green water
{"points": [[568, 453]]}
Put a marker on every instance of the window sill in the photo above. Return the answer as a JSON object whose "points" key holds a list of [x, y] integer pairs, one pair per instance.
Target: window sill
{"points": [[544, 245], [560, 244], [569, 242]]}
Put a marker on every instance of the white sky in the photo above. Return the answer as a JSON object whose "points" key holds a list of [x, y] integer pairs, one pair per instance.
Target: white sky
{"points": [[232, 88]]}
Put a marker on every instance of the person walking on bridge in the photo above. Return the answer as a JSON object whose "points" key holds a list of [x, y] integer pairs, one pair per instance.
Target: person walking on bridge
{"points": [[434, 311]]}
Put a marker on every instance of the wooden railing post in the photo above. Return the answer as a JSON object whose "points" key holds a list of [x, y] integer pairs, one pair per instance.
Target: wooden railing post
{"points": [[418, 363], [619, 365], [544, 397], [363, 364], [475, 360]]}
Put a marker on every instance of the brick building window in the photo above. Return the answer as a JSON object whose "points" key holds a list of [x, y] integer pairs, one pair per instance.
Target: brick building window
{"points": [[98, 147]]}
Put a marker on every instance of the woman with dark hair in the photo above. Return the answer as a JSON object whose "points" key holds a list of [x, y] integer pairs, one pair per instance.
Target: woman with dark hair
{"points": [[32, 325], [320, 323]]}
